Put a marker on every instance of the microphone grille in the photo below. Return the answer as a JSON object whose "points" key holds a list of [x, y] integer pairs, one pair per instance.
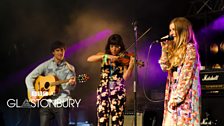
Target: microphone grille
{"points": [[170, 37]]}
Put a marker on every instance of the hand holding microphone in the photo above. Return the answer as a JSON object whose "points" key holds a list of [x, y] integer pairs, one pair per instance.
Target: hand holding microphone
{"points": [[164, 42]]}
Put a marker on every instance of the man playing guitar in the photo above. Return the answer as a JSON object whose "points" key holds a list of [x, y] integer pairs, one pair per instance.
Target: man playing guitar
{"points": [[62, 70]]}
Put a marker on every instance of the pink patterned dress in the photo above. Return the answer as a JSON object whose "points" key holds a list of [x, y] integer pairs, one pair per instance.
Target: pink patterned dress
{"points": [[183, 87]]}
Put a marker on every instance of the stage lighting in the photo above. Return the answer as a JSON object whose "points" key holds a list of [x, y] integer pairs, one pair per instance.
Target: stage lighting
{"points": [[216, 66], [214, 48], [222, 46]]}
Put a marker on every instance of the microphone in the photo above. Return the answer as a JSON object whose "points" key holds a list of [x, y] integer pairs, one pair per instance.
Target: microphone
{"points": [[167, 37]]}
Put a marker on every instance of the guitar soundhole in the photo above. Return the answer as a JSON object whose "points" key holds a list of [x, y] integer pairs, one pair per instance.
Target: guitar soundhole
{"points": [[47, 84]]}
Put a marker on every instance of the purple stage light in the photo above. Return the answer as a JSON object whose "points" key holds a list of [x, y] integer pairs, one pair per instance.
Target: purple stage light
{"points": [[87, 42], [218, 24]]}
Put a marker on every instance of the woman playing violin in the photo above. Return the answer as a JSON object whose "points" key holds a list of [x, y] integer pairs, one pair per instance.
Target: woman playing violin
{"points": [[111, 92]]}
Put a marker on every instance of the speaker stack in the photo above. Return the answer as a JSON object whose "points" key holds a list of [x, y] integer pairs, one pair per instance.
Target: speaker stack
{"points": [[212, 85]]}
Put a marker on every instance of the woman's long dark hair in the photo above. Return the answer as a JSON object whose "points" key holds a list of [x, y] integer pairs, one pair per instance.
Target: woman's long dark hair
{"points": [[114, 39]]}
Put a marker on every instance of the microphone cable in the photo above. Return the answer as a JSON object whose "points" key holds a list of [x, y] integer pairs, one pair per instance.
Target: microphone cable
{"points": [[144, 78]]}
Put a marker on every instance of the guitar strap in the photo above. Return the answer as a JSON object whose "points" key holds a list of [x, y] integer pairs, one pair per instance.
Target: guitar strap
{"points": [[70, 67]]}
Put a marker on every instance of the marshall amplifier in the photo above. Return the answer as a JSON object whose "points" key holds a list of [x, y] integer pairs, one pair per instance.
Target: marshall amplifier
{"points": [[212, 82]]}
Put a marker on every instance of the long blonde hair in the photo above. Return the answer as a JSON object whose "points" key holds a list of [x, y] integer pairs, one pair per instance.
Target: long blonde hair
{"points": [[184, 35]]}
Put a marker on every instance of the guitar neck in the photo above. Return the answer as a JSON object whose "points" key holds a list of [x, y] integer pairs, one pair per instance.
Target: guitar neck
{"points": [[80, 79]]}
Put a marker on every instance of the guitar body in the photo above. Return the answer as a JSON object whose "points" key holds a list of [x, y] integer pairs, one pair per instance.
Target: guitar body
{"points": [[48, 85], [43, 87]]}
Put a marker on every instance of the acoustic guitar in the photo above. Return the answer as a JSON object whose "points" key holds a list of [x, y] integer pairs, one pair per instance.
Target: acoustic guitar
{"points": [[49, 85]]}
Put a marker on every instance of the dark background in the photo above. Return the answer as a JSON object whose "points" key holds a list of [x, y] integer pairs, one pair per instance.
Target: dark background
{"points": [[29, 26]]}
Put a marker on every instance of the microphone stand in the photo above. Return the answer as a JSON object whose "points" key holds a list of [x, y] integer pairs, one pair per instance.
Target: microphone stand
{"points": [[135, 72]]}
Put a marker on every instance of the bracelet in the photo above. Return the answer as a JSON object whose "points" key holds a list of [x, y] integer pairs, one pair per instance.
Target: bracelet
{"points": [[105, 58]]}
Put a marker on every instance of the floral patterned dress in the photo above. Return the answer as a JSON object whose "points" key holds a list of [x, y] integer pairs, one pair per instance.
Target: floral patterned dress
{"points": [[111, 94], [182, 86]]}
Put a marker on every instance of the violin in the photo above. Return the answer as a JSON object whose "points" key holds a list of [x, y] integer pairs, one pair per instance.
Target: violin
{"points": [[124, 58]]}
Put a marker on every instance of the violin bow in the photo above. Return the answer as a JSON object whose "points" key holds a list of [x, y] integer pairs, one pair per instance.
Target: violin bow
{"points": [[139, 38]]}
